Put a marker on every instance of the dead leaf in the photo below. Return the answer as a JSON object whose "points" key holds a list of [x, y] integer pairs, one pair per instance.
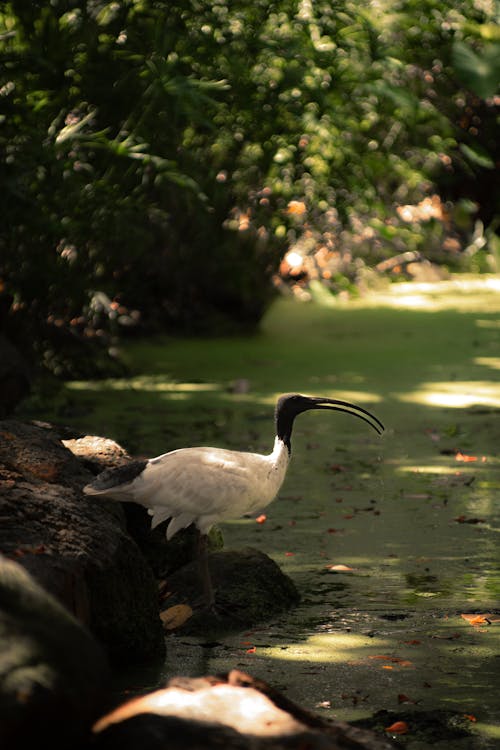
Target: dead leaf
{"points": [[337, 468], [175, 616], [339, 568], [324, 704], [471, 717], [393, 659], [402, 698], [261, 519], [480, 619], [464, 457], [399, 727]]}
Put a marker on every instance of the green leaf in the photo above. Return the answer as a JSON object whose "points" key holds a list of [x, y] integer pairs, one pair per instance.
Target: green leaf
{"points": [[479, 72], [477, 155]]}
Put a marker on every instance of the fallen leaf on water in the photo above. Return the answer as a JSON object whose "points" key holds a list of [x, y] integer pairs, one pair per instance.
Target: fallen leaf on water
{"points": [[480, 619], [262, 518], [471, 717], [393, 659], [451, 637], [402, 698], [413, 642], [399, 727], [289, 554], [339, 568], [355, 698], [175, 616], [464, 519], [251, 650], [464, 457]]}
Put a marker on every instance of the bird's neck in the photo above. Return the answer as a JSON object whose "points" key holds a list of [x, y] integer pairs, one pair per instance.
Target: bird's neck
{"points": [[284, 425], [281, 451]]}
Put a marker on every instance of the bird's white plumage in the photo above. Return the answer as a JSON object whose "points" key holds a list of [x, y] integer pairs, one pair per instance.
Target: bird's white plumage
{"points": [[203, 485]]}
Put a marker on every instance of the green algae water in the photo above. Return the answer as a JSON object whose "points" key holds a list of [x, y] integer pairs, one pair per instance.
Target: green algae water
{"points": [[392, 541]]}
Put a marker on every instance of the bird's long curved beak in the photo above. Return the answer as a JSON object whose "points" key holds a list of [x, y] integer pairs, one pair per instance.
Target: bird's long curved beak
{"points": [[356, 411]]}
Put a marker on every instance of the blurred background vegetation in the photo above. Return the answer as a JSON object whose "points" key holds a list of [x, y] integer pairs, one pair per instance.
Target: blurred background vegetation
{"points": [[172, 166]]}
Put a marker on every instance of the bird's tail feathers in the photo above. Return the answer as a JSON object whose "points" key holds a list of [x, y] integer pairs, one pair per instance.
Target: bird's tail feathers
{"points": [[159, 514], [179, 522], [121, 494]]}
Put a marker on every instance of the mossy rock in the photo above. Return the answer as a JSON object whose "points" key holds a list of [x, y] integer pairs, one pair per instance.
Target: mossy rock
{"points": [[249, 588], [53, 675]]}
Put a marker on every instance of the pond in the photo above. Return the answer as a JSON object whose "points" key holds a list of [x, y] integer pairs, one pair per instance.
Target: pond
{"points": [[392, 541]]}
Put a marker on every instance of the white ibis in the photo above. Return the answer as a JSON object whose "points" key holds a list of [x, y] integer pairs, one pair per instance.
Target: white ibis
{"points": [[203, 486]]}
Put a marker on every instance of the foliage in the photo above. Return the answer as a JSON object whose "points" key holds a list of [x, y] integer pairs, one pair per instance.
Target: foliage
{"points": [[160, 158]]}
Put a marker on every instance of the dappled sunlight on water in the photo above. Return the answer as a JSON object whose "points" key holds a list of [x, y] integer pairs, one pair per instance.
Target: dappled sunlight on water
{"points": [[461, 292], [456, 395], [147, 383]]}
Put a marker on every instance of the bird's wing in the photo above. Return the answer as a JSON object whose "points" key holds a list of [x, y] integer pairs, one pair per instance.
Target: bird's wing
{"points": [[198, 481], [200, 485]]}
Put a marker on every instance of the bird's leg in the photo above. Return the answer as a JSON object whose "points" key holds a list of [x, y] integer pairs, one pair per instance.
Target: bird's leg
{"points": [[206, 578]]}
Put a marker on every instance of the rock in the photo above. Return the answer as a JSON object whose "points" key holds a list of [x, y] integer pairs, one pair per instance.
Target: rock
{"points": [[53, 674], [76, 547], [236, 712], [35, 452], [97, 453], [250, 588]]}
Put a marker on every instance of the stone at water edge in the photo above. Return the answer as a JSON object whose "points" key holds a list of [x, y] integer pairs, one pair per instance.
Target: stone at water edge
{"points": [[233, 711], [250, 588]]}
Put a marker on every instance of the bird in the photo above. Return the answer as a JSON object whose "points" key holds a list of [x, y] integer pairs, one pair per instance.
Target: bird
{"points": [[204, 486]]}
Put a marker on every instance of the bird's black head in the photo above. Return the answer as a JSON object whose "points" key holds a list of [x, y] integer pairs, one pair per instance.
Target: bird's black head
{"points": [[291, 404]]}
